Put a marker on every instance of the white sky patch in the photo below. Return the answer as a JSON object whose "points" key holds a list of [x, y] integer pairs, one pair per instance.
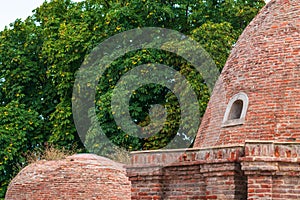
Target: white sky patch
{"points": [[14, 9], [10, 10]]}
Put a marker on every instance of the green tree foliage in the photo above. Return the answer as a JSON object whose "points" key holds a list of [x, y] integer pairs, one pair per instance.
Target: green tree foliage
{"points": [[39, 58], [20, 129]]}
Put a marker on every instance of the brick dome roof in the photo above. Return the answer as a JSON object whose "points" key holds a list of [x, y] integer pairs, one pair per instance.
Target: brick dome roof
{"points": [[82, 176], [257, 96]]}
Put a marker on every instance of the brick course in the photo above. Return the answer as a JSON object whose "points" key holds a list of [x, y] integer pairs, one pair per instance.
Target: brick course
{"points": [[259, 159], [83, 176], [264, 64], [195, 174], [272, 169], [255, 170]]}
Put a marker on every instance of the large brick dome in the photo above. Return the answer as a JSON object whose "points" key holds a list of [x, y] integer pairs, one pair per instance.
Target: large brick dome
{"points": [[82, 176], [257, 96]]}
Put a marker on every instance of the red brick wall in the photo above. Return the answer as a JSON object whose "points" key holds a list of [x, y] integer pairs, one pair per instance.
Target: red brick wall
{"points": [[265, 65], [272, 169], [258, 170], [195, 174], [286, 187], [81, 176], [260, 187]]}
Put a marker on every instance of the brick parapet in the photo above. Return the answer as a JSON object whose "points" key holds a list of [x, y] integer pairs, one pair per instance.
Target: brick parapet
{"points": [[187, 174], [186, 156], [257, 170], [272, 157], [270, 168], [272, 151]]}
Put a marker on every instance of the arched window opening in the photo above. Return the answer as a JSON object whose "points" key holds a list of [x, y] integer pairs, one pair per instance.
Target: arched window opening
{"points": [[236, 110]]}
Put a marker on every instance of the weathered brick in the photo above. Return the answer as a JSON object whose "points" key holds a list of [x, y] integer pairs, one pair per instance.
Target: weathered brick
{"points": [[264, 64], [82, 176], [258, 159]]}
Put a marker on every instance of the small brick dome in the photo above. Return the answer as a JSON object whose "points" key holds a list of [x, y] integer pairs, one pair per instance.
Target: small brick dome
{"points": [[257, 96], [82, 176]]}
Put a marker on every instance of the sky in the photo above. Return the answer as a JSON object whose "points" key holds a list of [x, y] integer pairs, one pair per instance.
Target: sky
{"points": [[10, 10]]}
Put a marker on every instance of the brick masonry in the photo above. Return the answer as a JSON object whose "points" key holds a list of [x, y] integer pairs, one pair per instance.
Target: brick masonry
{"points": [[194, 174], [272, 169], [255, 170], [83, 176], [259, 159], [264, 64]]}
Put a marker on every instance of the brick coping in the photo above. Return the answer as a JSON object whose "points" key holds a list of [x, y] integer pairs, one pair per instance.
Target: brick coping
{"points": [[216, 147]]}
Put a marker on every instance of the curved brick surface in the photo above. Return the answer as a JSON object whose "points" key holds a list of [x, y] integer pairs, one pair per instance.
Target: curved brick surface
{"points": [[82, 176], [265, 64]]}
